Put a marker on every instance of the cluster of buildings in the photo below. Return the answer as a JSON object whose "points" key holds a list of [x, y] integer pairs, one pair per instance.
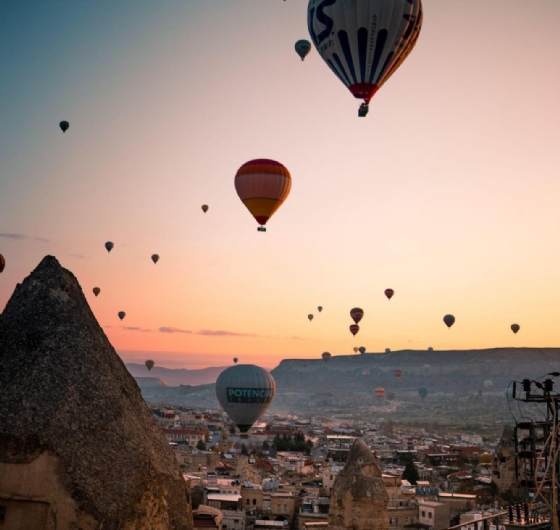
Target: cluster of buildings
{"points": [[261, 481]]}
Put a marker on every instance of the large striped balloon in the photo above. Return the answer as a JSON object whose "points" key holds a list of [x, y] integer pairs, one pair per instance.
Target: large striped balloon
{"points": [[263, 186], [364, 41]]}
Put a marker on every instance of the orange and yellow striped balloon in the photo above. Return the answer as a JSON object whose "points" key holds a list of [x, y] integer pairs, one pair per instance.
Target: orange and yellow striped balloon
{"points": [[263, 186]]}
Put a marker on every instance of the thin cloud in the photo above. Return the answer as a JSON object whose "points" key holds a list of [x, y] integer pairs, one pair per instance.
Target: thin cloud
{"points": [[12, 236], [42, 239], [165, 329], [79, 256], [135, 328], [220, 333]]}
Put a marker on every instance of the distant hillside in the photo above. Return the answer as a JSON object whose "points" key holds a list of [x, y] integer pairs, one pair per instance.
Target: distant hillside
{"points": [[176, 377]]}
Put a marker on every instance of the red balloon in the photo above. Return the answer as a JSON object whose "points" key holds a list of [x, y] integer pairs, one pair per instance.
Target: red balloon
{"points": [[380, 392], [354, 328], [389, 293], [356, 314], [398, 373]]}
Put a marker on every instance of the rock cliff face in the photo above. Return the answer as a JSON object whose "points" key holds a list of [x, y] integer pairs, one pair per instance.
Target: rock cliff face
{"points": [[73, 417], [358, 498]]}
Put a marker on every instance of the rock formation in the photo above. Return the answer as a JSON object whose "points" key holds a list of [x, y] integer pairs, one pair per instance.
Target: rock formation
{"points": [[503, 463], [79, 448], [358, 498]]}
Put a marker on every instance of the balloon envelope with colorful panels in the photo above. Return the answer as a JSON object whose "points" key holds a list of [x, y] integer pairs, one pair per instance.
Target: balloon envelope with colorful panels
{"points": [[64, 126], [245, 391], [2, 263], [109, 246], [354, 328], [449, 320], [397, 373], [263, 185], [155, 258], [96, 291], [423, 392], [357, 314], [362, 350], [121, 314], [149, 364], [380, 392], [389, 293], [326, 356], [303, 47], [514, 327], [364, 41]]}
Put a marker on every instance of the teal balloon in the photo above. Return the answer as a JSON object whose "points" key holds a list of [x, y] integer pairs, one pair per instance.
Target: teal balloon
{"points": [[362, 350], [423, 391], [245, 391]]}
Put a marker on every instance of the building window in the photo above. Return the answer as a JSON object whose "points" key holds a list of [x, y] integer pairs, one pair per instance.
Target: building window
{"points": [[285, 507], [423, 513], [390, 520], [254, 502], [406, 520], [247, 502], [396, 520], [2, 514], [429, 515]]}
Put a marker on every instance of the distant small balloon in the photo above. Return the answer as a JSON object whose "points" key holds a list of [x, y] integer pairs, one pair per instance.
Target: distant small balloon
{"points": [[204, 208], [449, 320], [122, 314], [387, 350], [149, 364], [488, 384], [303, 47], [310, 317], [320, 308], [356, 349], [380, 392], [356, 314], [430, 348], [423, 391], [155, 258], [2, 263], [354, 328], [362, 349], [389, 293], [96, 291], [235, 359], [397, 373], [109, 246], [514, 327], [326, 356], [64, 125]]}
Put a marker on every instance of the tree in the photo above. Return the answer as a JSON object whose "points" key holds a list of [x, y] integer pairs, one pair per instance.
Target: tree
{"points": [[410, 473], [201, 446]]}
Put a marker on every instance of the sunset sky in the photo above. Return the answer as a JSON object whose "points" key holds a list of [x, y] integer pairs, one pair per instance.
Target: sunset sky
{"points": [[448, 192]]}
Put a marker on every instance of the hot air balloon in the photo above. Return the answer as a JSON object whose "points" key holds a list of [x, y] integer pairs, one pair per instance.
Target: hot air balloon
{"points": [[357, 314], [2, 263], [356, 349], [109, 246], [398, 373], [389, 293], [426, 369], [365, 41], [204, 208], [488, 384], [245, 391], [320, 308], [326, 356], [449, 320], [362, 350], [235, 359], [263, 186], [64, 126], [390, 395], [303, 47], [122, 314], [155, 258], [380, 392], [310, 317], [149, 364], [354, 328], [96, 291], [430, 348], [387, 350], [423, 391], [514, 327]]}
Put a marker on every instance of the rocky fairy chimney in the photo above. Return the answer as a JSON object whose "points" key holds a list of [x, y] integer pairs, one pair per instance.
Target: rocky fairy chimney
{"points": [[503, 463], [359, 499], [79, 448]]}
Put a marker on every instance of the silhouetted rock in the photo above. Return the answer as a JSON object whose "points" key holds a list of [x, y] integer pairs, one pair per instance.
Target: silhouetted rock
{"points": [[359, 499], [75, 432]]}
